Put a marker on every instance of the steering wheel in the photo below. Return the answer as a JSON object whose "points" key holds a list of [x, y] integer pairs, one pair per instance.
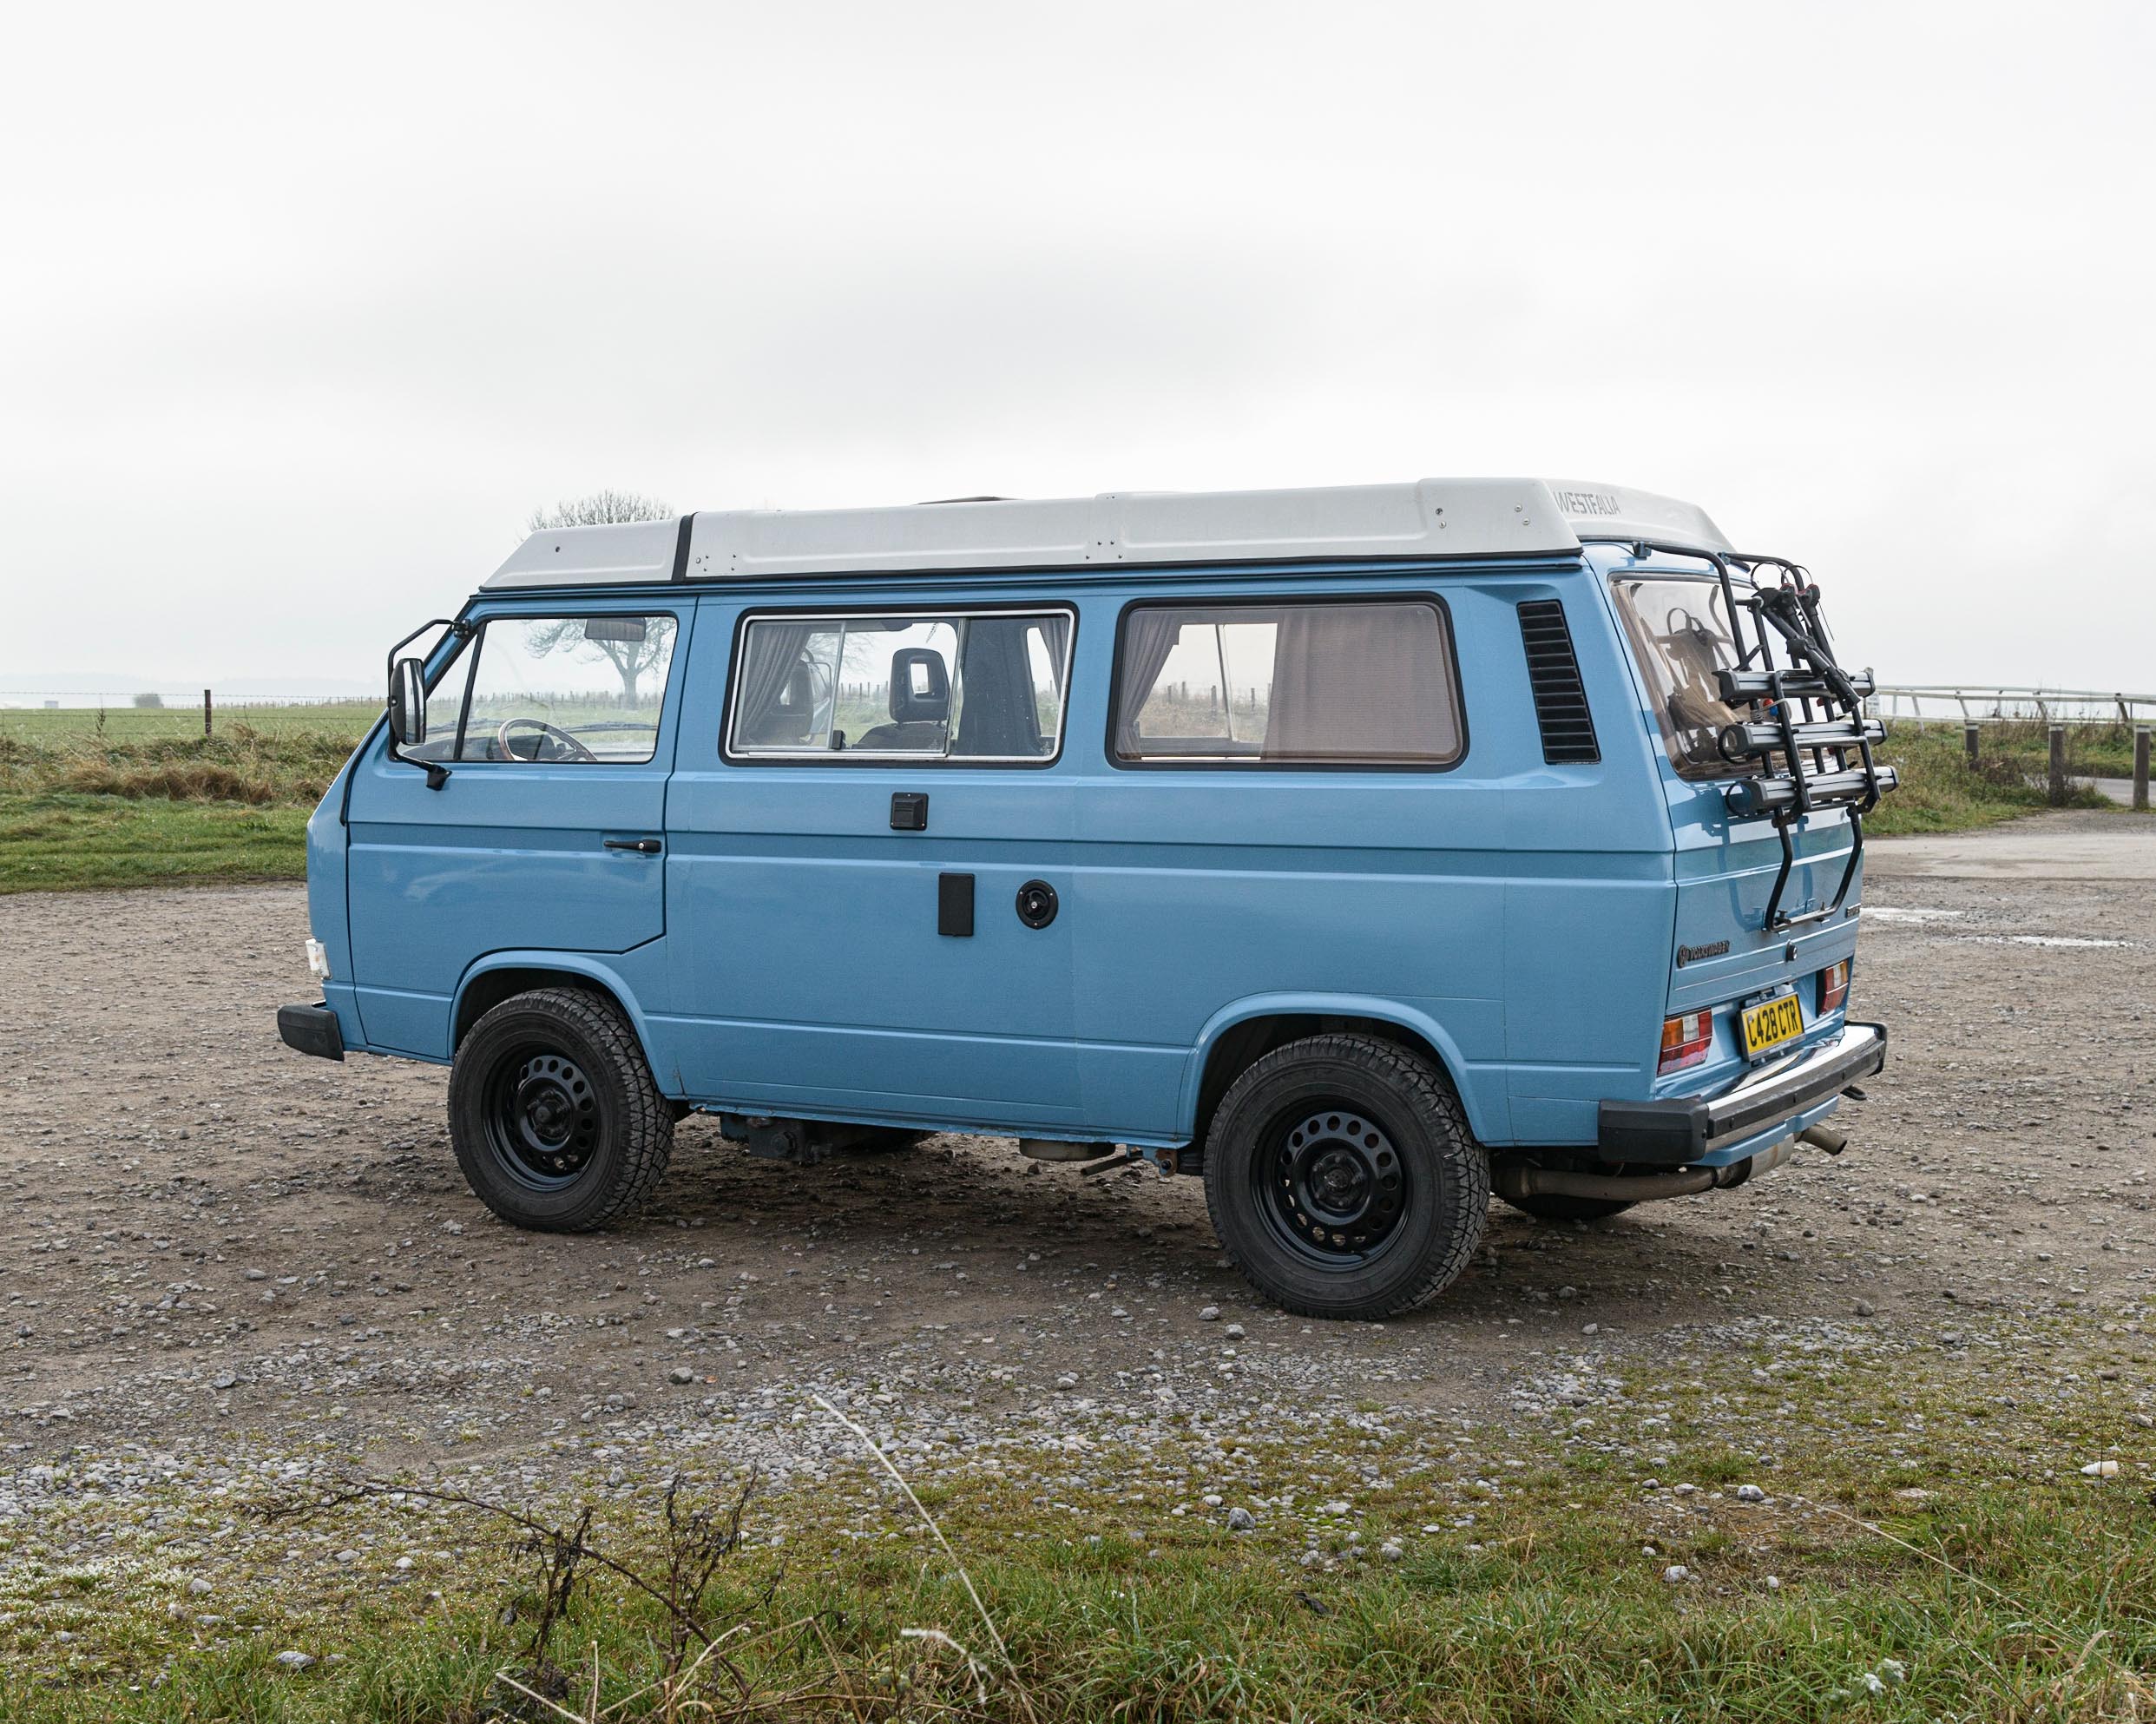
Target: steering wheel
{"points": [[501, 739]]}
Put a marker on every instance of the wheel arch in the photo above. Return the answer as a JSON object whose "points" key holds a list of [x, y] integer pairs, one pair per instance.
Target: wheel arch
{"points": [[1248, 1030], [503, 975]]}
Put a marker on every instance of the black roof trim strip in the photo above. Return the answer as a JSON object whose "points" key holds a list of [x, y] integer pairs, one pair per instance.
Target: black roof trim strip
{"points": [[682, 545]]}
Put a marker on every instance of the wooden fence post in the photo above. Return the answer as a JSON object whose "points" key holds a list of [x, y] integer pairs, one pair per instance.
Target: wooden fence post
{"points": [[2140, 768], [2058, 766], [1969, 744], [206, 714]]}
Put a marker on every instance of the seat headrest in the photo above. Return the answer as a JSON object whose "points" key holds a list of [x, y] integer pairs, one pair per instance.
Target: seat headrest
{"points": [[920, 687]]}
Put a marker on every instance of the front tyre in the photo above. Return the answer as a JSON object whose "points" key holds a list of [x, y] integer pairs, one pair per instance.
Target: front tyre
{"points": [[1343, 1178], [557, 1122]]}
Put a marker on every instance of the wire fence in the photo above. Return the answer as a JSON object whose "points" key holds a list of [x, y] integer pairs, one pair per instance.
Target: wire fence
{"points": [[55, 716], [163, 700]]}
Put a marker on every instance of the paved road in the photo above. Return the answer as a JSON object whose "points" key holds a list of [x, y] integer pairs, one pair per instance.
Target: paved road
{"points": [[2077, 845]]}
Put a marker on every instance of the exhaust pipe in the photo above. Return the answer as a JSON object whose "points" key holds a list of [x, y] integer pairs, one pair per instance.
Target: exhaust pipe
{"points": [[1056, 1149], [1514, 1180]]}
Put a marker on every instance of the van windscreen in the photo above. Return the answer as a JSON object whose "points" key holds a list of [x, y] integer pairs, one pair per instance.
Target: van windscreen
{"points": [[1680, 635]]}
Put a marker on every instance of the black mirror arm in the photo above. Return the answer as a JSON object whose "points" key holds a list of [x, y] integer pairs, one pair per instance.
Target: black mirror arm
{"points": [[437, 775]]}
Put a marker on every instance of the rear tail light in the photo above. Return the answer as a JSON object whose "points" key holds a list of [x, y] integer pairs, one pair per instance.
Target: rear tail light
{"points": [[1833, 986], [1685, 1040]]}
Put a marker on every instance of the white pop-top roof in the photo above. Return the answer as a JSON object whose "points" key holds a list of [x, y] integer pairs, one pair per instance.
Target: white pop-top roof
{"points": [[1429, 518]]}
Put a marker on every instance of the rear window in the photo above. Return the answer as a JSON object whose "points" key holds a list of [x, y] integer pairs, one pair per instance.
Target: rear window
{"points": [[1680, 635], [1342, 683]]}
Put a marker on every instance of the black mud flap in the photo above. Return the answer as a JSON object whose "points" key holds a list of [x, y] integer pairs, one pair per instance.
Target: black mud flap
{"points": [[311, 1029]]}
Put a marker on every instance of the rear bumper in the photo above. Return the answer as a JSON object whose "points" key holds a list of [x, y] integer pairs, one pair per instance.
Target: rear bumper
{"points": [[311, 1029], [1683, 1129]]}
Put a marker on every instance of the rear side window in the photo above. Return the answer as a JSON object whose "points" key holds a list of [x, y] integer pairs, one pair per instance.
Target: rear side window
{"points": [[1345, 682], [975, 687]]}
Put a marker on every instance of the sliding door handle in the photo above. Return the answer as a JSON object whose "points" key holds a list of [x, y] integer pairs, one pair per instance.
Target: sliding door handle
{"points": [[642, 846]]}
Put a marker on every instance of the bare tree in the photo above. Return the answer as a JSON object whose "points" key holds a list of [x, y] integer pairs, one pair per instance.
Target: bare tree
{"points": [[630, 659], [600, 509]]}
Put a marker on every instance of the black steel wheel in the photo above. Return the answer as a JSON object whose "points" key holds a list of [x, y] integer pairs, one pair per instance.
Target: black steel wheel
{"points": [[1335, 1186], [542, 1116], [557, 1122], [1343, 1178]]}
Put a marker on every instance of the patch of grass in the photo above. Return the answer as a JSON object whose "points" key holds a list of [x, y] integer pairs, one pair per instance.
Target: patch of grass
{"points": [[1925, 1551], [57, 841], [1940, 791], [2011, 1605], [2091, 750], [132, 806], [283, 768]]}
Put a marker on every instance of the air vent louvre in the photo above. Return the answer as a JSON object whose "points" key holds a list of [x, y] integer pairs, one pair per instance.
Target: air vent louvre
{"points": [[1560, 705]]}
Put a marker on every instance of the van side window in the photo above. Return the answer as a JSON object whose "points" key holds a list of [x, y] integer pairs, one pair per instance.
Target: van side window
{"points": [[562, 690], [978, 687], [1361, 682]]}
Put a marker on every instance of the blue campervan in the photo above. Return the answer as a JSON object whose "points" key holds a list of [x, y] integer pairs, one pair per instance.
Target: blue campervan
{"points": [[1368, 851]]}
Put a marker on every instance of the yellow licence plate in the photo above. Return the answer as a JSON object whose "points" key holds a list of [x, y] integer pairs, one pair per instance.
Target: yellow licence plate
{"points": [[1771, 1022]]}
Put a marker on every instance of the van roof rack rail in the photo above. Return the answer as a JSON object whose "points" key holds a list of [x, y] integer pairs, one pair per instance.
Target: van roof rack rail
{"points": [[1802, 710]]}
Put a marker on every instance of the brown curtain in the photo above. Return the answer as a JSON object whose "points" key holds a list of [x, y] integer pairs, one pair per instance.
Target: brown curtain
{"points": [[1362, 682]]}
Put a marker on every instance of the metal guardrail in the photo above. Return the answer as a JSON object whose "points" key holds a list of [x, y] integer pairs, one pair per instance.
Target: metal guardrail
{"points": [[1986, 703]]}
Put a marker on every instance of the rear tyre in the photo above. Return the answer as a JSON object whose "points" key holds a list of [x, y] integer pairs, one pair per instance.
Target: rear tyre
{"points": [[1547, 1206], [557, 1122], [1343, 1178]]}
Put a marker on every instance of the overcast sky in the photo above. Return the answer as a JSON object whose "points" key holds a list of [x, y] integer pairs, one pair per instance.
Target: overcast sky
{"points": [[303, 310]]}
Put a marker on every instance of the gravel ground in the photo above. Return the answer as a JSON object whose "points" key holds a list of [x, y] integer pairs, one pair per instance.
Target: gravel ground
{"points": [[226, 1262]]}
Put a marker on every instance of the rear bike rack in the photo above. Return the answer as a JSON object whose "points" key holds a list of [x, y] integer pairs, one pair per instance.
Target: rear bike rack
{"points": [[1800, 713]]}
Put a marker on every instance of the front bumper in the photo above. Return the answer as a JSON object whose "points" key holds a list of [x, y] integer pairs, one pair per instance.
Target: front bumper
{"points": [[311, 1029], [1683, 1129]]}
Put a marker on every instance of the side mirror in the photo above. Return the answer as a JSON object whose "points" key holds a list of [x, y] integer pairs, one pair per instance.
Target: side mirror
{"points": [[408, 703]]}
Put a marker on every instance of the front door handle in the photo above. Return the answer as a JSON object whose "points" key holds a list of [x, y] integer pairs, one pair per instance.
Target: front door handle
{"points": [[642, 846]]}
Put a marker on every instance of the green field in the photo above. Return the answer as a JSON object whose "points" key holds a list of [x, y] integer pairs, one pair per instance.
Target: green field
{"points": [[131, 797], [62, 842], [75, 726], [143, 803]]}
